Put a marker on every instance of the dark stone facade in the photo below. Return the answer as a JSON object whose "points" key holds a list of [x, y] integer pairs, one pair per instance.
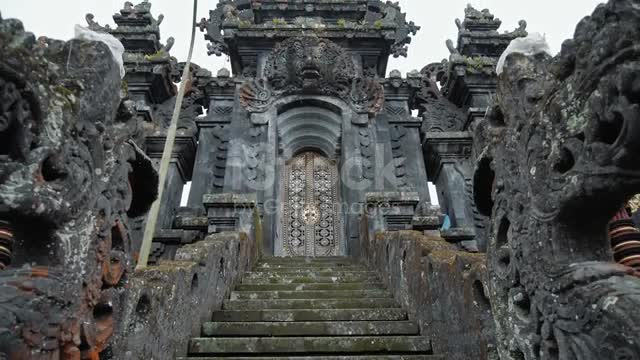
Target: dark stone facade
{"points": [[530, 166]]}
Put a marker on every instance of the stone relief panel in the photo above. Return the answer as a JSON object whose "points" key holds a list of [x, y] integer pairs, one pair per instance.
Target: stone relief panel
{"points": [[311, 65]]}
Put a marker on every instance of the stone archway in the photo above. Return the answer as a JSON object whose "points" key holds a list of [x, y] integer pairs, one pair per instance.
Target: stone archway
{"points": [[310, 212]]}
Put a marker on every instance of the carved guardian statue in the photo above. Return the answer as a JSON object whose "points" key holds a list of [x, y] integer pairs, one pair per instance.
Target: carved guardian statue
{"points": [[560, 161]]}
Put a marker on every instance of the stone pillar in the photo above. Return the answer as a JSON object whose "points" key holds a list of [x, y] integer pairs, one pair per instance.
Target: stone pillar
{"points": [[213, 142], [180, 172], [448, 158], [166, 240]]}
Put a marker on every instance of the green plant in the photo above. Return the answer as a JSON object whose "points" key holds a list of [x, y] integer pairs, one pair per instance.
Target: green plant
{"points": [[476, 64], [158, 55], [279, 21], [342, 23], [378, 24]]}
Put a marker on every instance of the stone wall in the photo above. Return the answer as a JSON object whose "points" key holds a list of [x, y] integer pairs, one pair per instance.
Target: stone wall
{"points": [[443, 289], [166, 304]]}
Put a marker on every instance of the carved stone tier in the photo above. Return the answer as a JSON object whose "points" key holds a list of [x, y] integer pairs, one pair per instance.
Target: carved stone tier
{"points": [[167, 242], [442, 148], [389, 211], [183, 156], [137, 29], [242, 29], [230, 212]]}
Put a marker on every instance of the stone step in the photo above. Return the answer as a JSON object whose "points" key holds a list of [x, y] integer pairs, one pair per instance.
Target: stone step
{"points": [[311, 286], [324, 357], [297, 272], [302, 315], [292, 279], [313, 345], [318, 328], [308, 259], [311, 294], [309, 304], [309, 266]]}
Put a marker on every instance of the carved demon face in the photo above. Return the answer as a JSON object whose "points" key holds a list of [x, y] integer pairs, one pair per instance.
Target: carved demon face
{"points": [[66, 160], [309, 63], [564, 146]]}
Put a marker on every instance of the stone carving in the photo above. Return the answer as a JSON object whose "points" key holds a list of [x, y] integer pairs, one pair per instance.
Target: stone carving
{"points": [[367, 151], [95, 26], [255, 95], [389, 16], [220, 164], [367, 96], [311, 65], [225, 14], [440, 115], [70, 178], [398, 133], [563, 144]]}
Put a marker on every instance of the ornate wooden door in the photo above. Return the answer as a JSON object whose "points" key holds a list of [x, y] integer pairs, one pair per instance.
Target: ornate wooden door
{"points": [[311, 219]]}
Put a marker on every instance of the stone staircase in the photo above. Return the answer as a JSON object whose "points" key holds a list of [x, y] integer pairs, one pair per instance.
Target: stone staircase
{"points": [[302, 308]]}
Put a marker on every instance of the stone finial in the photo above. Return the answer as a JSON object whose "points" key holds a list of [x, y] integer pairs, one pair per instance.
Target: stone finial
{"points": [[224, 73], [452, 49], [94, 25], [167, 48]]}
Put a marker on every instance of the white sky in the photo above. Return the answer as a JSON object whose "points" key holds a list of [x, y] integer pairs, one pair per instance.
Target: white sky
{"points": [[556, 19]]}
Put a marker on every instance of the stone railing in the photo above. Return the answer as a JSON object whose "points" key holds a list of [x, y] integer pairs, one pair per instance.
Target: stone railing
{"points": [[443, 288], [166, 304]]}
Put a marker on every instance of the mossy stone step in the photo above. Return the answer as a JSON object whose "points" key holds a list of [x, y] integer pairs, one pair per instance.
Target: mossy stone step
{"points": [[309, 304], [328, 265], [324, 357], [302, 315], [316, 272], [314, 345], [311, 294], [318, 328], [307, 259], [310, 286], [292, 279]]}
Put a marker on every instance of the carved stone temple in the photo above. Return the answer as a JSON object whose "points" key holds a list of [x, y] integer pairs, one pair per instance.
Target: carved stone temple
{"points": [[309, 231]]}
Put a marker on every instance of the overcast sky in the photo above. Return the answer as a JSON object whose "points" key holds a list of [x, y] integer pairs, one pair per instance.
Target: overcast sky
{"points": [[555, 18]]}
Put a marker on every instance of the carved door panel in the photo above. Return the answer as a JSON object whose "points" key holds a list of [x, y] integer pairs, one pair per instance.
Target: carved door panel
{"points": [[311, 222]]}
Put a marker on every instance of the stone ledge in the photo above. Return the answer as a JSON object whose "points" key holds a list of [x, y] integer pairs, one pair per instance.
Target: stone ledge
{"points": [[416, 268], [189, 289], [375, 198], [230, 200]]}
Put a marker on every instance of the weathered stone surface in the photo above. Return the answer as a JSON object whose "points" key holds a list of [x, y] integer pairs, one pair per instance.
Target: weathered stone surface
{"points": [[165, 304], [324, 357], [296, 287], [310, 294], [563, 149], [319, 328], [312, 315], [417, 268], [70, 179], [318, 345], [309, 304]]}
